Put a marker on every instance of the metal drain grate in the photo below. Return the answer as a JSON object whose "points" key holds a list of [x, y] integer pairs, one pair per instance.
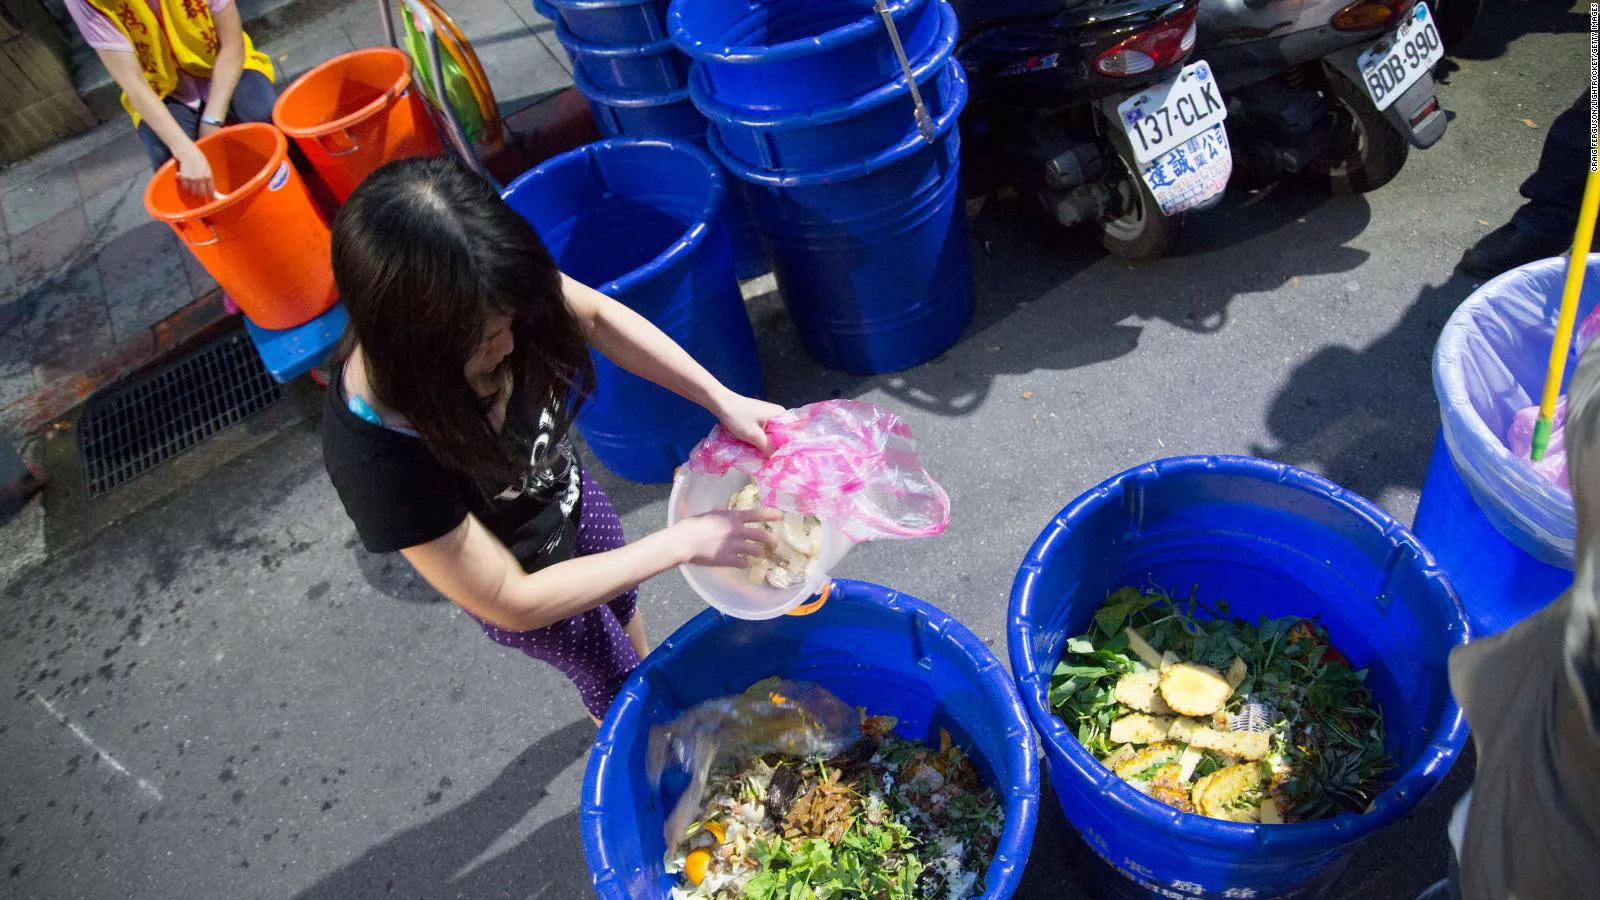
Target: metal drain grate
{"points": [[130, 430]]}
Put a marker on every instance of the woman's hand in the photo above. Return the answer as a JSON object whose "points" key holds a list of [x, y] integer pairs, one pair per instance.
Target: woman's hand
{"points": [[746, 419], [194, 172], [725, 538]]}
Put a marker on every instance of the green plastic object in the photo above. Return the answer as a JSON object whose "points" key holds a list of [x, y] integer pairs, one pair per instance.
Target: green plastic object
{"points": [[1541, 438], [457, 87]]}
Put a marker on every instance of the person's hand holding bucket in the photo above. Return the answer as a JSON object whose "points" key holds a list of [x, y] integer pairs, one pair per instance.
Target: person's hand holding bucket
{"points": [[194, 172]]}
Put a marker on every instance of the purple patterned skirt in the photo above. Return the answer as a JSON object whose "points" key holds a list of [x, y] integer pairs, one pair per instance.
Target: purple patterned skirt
{"points": [[590, 649]]}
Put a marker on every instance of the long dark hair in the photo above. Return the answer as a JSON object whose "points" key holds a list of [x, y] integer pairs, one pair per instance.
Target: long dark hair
{"points": [[425, 253]]}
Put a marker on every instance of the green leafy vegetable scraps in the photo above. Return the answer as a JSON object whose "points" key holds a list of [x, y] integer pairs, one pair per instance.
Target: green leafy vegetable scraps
{"points": [[1326, 752]]}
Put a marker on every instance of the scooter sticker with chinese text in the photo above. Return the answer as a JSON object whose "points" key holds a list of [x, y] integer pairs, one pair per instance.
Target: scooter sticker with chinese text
{"points": [[1188, 176]]}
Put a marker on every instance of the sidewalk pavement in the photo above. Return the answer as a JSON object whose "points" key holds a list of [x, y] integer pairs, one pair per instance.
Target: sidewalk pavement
{"points": [[91, 288]]}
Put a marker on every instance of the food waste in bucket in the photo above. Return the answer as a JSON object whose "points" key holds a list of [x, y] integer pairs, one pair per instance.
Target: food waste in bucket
{"points": [[1258, 721], [1274, 541], [849, 464], [870, 647], [791, 791]]}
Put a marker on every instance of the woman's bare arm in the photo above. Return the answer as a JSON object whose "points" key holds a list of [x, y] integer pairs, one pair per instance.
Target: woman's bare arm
{"points": [[474, 569]]}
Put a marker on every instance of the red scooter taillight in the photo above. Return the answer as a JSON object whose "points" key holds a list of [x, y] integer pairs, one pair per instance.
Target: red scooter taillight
{"points": [[1163, 44], [1371, 15]]}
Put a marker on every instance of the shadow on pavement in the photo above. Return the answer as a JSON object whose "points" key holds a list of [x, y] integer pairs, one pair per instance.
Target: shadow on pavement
{"points": [[1503, 21], [428, 860], [1034, 312], [390, 575], [1367, 418], [1049, 299]]}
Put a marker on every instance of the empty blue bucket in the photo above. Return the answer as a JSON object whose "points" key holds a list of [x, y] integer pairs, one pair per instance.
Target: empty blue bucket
{"points": [[1500, 583], [871, 256], [843, 132], [799, 54], [672, 116], [617, 22], [1271, 540], [888, 652], [641, 221], [633, 69]]}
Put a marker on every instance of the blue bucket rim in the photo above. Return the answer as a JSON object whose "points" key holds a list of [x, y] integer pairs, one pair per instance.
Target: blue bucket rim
{"points": [[954, 103], [701, 48], [586, 5], [627, 101], [578, 45], [694, 235], [925, 70], [1437, 755], [1023, 795]]}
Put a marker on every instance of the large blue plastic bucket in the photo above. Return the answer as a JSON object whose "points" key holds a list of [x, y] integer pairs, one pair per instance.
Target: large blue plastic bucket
{"points": [[1271, 540], [749, 256], [617, 22], [1489, 365], [871, 257], [670, 115], [633, 69], [798, 54], [890, 653], [843, 132], [641, 221], [1499, 583]]}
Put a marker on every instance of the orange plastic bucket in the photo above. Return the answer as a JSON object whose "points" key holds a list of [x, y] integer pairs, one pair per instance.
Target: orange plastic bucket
{"points": [[262, 239], [354, 113]]}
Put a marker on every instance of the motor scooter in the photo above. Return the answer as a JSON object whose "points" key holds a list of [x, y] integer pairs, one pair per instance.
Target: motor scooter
{"points": [[1093, 112], [1333, 91]]}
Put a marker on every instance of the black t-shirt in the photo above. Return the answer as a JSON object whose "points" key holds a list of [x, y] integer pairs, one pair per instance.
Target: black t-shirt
{"points": [[400, 495]]}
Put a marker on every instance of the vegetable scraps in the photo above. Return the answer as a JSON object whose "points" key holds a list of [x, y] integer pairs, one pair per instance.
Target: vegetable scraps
{"points": [[1261, 722], [886, 819]]}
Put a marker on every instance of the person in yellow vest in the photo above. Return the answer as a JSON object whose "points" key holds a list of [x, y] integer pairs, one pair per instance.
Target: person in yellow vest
{"points": [[186, 69]]}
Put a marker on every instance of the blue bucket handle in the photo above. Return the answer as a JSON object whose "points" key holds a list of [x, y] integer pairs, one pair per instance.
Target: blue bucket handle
{"points": [[925, 126]]}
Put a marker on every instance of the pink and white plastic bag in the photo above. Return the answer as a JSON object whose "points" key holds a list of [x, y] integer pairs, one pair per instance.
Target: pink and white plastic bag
{"points": [[849, 463]]}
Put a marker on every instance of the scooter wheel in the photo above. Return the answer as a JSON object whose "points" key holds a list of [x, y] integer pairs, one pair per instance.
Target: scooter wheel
{"points": [[1372, 151], [1140, 231]]}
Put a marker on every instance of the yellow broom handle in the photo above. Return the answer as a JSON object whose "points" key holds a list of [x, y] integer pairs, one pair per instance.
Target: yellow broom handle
{"points": [[1576, 266]]}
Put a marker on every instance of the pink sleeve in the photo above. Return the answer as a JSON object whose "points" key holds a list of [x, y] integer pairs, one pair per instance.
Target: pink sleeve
{"points": [[220, 5], [98, 31]]}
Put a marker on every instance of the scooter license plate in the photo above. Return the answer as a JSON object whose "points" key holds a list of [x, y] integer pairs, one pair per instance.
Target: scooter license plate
{"points": [[1397, 61], [1188, 176], [1168, 115]]}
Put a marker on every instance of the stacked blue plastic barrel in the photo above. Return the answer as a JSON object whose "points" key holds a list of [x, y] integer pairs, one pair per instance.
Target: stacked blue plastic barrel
{"points": [[858, 202], [637, 84]]}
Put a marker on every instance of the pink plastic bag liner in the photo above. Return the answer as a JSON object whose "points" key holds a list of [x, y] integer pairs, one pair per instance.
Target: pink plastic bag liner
{"points": [[1519, 439], [849, 463]]}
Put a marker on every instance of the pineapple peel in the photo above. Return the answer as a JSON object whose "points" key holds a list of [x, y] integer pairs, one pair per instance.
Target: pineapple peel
{"points": [[1194, 690]]}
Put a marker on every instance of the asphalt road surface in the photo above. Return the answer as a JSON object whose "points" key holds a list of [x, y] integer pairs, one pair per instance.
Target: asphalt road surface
{"points": [[224, 697]]}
